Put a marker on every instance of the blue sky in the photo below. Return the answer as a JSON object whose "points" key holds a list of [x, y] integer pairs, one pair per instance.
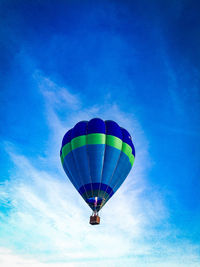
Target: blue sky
{"points": [[136, 62]]}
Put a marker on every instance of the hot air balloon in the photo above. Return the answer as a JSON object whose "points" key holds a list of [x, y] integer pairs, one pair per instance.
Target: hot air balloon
{"points": [[97, 156]]}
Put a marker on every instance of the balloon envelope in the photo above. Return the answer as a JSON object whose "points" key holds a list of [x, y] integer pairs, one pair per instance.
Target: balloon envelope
{"points": [[97, 156]]}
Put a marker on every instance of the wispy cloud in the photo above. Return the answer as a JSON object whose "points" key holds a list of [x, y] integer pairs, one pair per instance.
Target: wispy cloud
{"points": [[47, 209], [54, 94], [8, 258], [48, 220]]}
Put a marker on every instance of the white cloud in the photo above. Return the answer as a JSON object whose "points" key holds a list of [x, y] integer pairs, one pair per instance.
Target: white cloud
{"points": [[10, 259], [55, 94], [47, 207], [48, 220]]}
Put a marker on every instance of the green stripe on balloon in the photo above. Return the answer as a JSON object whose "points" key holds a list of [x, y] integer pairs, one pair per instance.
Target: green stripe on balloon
{"points": [[114, 141], [97, 139], [127, 149], [66, 149], [78, 141], [132, 159]]}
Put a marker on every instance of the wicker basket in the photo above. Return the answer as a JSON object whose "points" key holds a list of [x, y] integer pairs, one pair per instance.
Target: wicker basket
{"points": [[94, 219]]}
